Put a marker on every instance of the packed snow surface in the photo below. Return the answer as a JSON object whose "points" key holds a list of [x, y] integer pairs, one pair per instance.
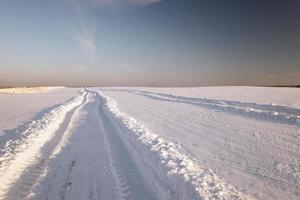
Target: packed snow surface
{"points": [[150, 143]]}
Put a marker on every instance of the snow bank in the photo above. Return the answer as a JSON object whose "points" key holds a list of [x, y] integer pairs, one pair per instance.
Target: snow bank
{"points": [[174, 174], [18, 155]]}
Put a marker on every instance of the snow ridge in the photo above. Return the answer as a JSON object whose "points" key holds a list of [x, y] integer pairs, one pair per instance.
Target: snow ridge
{"points": [[175, 174], [19, 155], [272, 112]]}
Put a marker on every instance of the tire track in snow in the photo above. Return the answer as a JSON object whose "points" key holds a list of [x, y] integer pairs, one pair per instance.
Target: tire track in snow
{"points": [[94, 164], [132, 184], [236, 147], [280, 114], [80, 170], [211, 140], [25, 167], [67, 182], [178, 175], [128, 152]]}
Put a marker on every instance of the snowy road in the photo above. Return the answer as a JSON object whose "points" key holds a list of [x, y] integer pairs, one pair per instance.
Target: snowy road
{"points": [[76, 156], [86, 149], [136, 144], [94, 162]]}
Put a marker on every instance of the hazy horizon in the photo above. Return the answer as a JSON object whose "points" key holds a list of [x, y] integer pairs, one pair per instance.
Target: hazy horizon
{"points": [[149, 43]]}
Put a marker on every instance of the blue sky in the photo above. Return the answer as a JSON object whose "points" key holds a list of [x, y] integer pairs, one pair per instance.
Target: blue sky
{"points": [[149, 42]]}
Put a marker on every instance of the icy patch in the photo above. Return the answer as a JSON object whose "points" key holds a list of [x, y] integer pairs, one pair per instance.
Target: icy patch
{"points": [[177, 175]]}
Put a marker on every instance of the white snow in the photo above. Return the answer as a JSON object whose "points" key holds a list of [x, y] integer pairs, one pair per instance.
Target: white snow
{"points": [[246, 94], [151, 143], [18, 108], [28, 90], [182, 177], [254, 147], [19, 155]]}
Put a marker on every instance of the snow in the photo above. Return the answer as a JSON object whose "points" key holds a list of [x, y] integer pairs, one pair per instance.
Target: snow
{"points": [[150, 143], [259, 95], [242, 145], [247, 94], [104, 170], [27, 90], [18, 108], [182, 177], [272, 112], [27, 152]]}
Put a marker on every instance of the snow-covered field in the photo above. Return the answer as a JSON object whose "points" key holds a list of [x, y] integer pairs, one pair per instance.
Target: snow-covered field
{"points": [[18, 108], [27, 90], [151, 143]]}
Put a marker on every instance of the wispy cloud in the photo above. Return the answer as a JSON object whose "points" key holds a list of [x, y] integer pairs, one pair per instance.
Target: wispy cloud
{"points": [[86, 42], [85, 36]]}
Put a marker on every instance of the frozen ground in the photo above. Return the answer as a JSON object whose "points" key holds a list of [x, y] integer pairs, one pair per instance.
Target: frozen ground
{"points": [[147, 143]]}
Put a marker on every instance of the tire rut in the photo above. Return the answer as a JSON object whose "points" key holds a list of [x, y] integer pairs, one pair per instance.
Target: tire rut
{"points": [[40, 158], [131, 183]]}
